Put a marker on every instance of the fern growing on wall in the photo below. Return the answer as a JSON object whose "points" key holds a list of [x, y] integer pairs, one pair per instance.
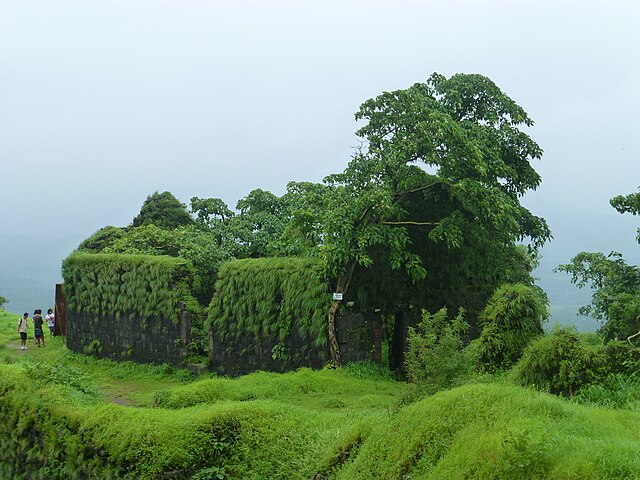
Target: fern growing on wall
{"points": [[270, 297], [141, 286]]}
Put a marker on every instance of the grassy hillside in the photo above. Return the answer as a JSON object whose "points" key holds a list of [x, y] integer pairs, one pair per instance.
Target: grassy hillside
{"points": [[68, 416]]}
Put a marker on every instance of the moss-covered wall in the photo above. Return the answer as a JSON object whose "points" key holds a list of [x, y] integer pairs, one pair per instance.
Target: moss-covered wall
{"points": [[128, 306], [271, 314]]}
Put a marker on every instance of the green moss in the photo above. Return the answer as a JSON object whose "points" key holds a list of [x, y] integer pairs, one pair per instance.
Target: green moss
{"points": [[141, 286], [270, 297]]}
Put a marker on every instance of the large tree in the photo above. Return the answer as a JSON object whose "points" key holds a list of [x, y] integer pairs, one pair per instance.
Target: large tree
{"points": [[456, 141]]}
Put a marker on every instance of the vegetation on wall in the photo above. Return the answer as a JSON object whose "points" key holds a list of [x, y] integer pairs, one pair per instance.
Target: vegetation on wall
{"points": [[271, 297], [142, 286]]}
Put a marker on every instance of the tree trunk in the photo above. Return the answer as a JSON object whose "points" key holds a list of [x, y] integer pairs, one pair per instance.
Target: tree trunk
{"points": [[342, 285], [334, 348], [398, 343]]}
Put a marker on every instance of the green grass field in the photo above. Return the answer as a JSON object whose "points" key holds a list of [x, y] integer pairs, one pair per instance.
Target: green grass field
{"points": [[69, 416]]}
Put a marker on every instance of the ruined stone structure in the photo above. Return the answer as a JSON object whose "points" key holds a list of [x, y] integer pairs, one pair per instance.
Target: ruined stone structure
{"points": [[359, 338]]}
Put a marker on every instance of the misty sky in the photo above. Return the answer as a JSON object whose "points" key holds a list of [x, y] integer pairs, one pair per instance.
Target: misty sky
{"points": [[105, 102]]}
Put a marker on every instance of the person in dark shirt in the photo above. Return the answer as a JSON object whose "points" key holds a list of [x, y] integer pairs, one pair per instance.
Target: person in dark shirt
{"points": [[37, 327]]}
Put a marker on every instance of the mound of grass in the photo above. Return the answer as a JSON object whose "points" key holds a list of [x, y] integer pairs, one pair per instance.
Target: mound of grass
{"points": [[498, 432], [58, 421], [304, 387]]}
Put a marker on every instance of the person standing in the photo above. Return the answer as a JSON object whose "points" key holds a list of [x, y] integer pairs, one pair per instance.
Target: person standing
{"points": [[22, 330], [51, 321], [37, 327]]}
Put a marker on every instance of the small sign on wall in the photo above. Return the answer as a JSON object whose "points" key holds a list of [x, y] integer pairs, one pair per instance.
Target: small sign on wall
{"points": [[337, 296]]}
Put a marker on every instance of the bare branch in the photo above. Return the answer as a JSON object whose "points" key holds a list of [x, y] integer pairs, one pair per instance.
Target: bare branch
{"points": [[419, 189], [411, 223]]}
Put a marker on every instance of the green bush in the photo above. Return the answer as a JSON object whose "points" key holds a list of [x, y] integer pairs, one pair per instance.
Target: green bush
{"points": [[560, 363], [436, 356], [512, 318]]}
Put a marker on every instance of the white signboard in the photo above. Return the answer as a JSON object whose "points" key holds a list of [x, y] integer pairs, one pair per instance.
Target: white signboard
{"points": [[337, 296]]}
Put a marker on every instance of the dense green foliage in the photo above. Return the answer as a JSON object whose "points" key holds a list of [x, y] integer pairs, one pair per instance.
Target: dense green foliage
{"points": [[101, 239], [271, 297], [496, 432], [468, 131], [512, 318], [162, 210], [141, 286], [427, 212], [460, 216], [197, 246], [3, 300], [436, 356], [627, 203]]}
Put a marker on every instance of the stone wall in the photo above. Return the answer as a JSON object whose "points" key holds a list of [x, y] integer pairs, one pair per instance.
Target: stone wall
{"points": [[359, 338], [158, 340]]}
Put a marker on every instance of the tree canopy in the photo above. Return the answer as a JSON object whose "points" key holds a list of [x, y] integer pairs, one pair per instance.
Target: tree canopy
{"points": [[162, 210], [443, 162]]}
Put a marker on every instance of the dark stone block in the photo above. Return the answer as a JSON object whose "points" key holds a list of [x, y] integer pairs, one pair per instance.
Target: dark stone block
{"points": [[126, 337]]}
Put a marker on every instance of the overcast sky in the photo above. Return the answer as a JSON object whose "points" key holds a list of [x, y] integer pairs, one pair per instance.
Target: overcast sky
{"points": [[105, 102]]}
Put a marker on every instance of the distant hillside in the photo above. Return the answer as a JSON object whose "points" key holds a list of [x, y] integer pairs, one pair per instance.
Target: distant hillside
{"points": [[30, 268], [565, 298]]}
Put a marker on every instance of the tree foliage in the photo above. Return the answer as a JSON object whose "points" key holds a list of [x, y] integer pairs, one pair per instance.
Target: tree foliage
{"points": [[616, 291], [162, 210], [458, 142], [627, 203], [101, 239]]}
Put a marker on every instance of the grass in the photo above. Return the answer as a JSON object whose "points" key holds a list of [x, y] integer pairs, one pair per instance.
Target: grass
{"points": [[73, 416]]}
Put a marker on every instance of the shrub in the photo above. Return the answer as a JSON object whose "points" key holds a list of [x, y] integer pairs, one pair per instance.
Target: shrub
{"points": [[436, 356], [512, 318], [560, 363]]}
